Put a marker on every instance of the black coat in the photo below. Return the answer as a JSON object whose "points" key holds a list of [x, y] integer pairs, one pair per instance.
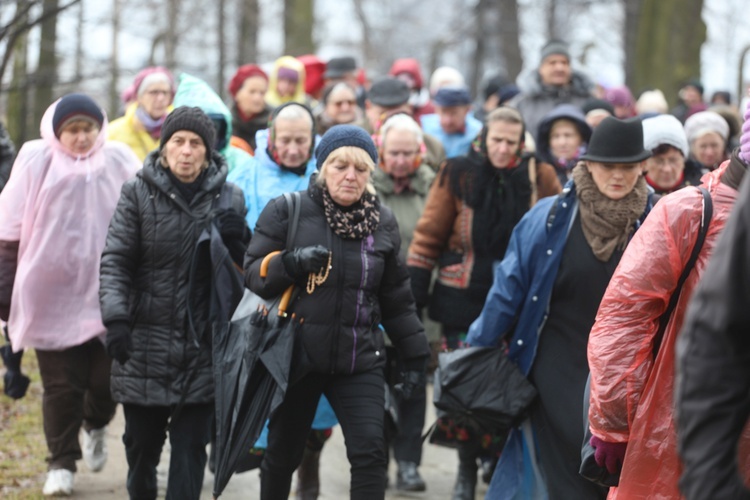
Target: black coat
{"points": [[145, 271], [712, 394], [7, 155], [368, 285]]}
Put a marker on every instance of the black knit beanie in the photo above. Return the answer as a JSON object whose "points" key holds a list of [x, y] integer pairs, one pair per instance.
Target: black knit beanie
{"points": [[76, 107], [339, 136], [192, 119]]}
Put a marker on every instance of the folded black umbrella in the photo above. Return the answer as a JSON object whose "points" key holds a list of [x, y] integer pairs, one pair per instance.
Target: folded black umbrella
{"points": [[15, 382], [481, 388], [252, 359]]}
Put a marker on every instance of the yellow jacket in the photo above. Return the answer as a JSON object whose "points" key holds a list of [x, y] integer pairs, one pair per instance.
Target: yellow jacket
{"points": [[129, 130]]}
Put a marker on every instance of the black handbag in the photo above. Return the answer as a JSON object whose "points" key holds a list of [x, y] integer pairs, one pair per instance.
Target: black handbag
{"points": [[481, 389], [589, 468]]}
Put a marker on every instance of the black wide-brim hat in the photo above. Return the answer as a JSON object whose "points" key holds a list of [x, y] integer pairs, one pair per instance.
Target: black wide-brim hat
{"points": [[617, 141]]}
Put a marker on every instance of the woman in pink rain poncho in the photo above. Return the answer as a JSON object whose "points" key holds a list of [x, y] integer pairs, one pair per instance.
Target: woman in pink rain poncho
{"points": [[54, 215]]}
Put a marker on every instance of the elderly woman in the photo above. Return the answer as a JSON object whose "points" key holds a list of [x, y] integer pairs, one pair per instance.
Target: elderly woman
{"points": [[402, 183], [464, 230], [283, 160], [562, 138], [668, 169], [339, 107], [543, 302], [345, 233], [250, 112], [147, 103], [54, 214], [707, 133], [157, 331]]}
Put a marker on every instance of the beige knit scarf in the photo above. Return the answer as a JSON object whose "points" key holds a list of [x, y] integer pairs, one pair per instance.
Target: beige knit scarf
{"points": [[607, 224]]}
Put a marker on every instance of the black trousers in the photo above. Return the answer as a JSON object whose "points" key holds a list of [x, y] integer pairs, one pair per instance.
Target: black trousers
{"points": [[358, 401], [145, 432], [407, 442], [76, 393]]}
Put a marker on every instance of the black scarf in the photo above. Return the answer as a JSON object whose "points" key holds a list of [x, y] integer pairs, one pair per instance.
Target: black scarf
{"points": [[354, 222], [246, 129], [498, 196], [188, 190]]}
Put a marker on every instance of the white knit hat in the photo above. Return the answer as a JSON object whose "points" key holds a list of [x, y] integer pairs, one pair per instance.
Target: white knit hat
{"points": [[704, 122], [664, 129]]}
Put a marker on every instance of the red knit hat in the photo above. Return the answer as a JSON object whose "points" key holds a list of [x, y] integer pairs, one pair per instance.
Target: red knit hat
{"points": [[242, 74]]}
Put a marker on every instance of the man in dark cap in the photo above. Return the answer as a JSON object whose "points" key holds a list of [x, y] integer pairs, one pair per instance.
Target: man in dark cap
{"points": [[452, 124], [553, 82], [691, 100], [389, 96]]}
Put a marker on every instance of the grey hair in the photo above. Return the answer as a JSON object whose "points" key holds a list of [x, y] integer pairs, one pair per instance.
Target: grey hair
{"points": [[401, 123], [294, 113]]}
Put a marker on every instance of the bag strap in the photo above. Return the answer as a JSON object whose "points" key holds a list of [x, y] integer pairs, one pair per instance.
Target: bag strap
{"points": [[293, 203], [706, 215]]}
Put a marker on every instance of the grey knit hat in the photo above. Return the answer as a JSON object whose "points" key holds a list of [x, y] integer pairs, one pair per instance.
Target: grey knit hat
{"points": [[339, 136], [192, 119], [555, 47], [665, 129]]}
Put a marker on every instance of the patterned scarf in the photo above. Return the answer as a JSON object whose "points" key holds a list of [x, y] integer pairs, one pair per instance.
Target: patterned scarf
{"points": [[607, 224], [356, 221]]}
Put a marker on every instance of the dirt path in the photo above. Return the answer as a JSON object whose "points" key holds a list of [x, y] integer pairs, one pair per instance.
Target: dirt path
{"points": [[438, 468]]}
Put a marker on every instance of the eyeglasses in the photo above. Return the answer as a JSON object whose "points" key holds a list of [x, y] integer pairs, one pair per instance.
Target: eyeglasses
{"points": [[671, 161], [339, 104]]}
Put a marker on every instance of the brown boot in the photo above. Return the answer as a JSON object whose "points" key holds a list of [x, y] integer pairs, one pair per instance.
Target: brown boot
{"points": [[308, 480]]}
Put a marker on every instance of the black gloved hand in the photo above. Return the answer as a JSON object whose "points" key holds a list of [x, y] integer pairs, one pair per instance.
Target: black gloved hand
{"points": [[300, 262], [232, 225], [118, 341], [420, 286], [414, 378]]}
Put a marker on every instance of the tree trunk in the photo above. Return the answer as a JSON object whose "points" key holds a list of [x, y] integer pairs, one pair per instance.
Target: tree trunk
{"points": [[79, 45], [46, 72], [367, 46], [170, 38], [509, 34], [299, 18], [114, 95], [480, 44], [552, 31], [18, 96], [670, 34], [247, 42], [221, 8], [630, 37]]}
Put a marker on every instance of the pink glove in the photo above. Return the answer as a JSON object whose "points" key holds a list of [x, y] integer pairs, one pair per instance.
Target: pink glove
{"points": [[609, 455]]}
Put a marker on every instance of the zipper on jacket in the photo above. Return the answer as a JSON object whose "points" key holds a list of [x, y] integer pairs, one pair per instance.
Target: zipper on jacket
{"points": [[339, 253]]}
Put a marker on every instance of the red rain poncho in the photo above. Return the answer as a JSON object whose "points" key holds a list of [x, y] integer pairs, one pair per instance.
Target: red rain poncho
{"points": [[631, 397]]}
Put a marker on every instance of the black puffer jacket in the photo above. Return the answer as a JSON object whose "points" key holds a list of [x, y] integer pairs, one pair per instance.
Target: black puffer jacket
{"points": [[144, 281], [368, 285], [7, 155]]}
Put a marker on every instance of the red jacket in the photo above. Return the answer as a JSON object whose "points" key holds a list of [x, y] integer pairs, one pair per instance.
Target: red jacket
{"points": [[631, 396]]}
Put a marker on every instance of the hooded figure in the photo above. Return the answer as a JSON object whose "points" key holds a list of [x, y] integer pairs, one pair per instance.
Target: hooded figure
{"points": [[54, 214], [559, 145], [287, 72], [193, 91]]}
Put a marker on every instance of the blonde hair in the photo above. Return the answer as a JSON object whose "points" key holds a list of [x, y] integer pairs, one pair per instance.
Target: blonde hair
{"points": [[347, 154]]}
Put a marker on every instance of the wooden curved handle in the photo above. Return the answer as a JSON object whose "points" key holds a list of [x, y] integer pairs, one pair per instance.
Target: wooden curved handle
{"points": [[286, 297], [266, 262]]}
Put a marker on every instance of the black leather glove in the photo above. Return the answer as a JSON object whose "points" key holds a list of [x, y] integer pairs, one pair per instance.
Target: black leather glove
{"points": [[414, 378], [118, 342], [300, 262], [232, 225]]}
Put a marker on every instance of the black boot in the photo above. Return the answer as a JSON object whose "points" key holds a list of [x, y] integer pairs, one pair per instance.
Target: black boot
{"points": [[408, 478], [466, 482], [308, 480]]}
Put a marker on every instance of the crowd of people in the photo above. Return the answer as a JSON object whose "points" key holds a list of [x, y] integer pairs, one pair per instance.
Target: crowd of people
{"points": [[552, 219]]}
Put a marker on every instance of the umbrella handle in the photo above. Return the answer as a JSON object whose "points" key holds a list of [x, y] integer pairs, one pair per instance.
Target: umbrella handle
{"points": [[286, 297], [266, 262]]}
